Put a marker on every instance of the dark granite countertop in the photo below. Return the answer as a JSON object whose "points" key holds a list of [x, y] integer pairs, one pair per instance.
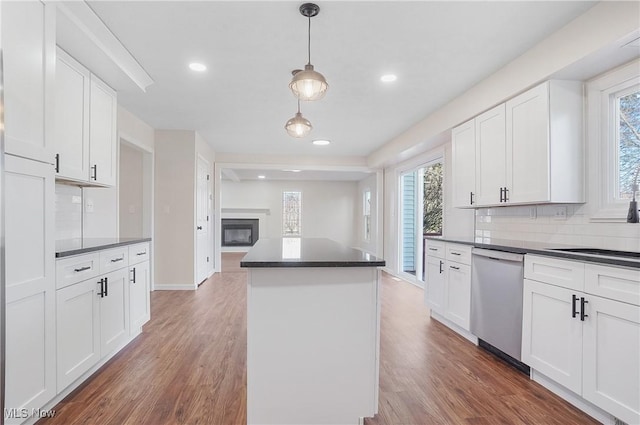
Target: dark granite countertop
{"points": [[540, 248], [69, 247], [306, 252]]}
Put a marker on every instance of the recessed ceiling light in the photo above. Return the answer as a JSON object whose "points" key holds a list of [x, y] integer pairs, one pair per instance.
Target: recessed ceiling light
{"points": [[195, 66], [321, 142], [262, 177], [388, 78]]}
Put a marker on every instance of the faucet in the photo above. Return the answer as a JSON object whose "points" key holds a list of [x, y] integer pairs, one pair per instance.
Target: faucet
{"points": [[632, 215]]}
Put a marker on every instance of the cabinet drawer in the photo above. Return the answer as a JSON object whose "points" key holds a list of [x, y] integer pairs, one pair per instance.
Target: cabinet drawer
{"points": [[616, 283], [435, 249], [114, 259], [77, 268], [459, 253], [138, 253], [565, 273]]}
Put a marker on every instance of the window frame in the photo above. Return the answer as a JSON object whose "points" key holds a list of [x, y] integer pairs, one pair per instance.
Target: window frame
{"points": [[602, 147], [299, 234], [366, 214]]}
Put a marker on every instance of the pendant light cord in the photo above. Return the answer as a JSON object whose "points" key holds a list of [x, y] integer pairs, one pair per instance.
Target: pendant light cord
{"points": [[309, 42]]}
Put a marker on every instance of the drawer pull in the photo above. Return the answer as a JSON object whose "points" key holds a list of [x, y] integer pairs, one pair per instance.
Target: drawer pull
{"points": [[81, 269], [574, 313], [454, 267], [115, 260], [441, 264], [133, 280], [433, 249], [583, 303], [455, 253], [142, 253]]}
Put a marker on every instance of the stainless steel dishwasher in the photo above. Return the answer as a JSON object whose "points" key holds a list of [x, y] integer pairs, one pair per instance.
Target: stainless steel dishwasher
{"points": [[497, 279]]}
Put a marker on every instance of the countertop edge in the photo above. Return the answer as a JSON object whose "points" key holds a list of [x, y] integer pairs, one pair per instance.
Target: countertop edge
{"points": [[78, 251], [302, 264], [546, 252]]}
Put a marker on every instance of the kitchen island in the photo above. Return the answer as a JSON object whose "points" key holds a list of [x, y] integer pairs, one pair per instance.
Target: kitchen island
{"points": [[313, 332]]}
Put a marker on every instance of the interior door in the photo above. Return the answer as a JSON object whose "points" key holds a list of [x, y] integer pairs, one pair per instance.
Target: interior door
{"points": [[203, 247]]}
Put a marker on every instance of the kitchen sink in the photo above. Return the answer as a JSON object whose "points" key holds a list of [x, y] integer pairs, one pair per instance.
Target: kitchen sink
{"points": [[603, 252]]}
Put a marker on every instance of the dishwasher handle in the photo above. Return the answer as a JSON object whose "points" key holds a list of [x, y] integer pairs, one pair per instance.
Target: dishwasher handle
{"points": [[498, 255]]}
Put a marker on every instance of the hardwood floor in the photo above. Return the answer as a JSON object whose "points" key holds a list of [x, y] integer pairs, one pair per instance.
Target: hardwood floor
{"points": [[189, 367]]}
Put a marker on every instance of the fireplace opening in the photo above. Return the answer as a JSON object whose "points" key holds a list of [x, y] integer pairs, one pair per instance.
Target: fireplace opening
{"points": [[239, 231]]}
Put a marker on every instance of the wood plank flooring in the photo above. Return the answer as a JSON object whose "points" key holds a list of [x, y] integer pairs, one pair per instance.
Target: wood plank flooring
{"points": [[189, 367]]}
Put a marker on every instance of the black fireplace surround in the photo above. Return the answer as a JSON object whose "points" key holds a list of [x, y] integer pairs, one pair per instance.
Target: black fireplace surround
{"points": [[239, 231]]}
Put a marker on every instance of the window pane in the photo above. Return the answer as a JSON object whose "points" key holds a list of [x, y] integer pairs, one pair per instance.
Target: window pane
{"points": [[628, 143], [366, 208], [432, 220], [291, 212]]}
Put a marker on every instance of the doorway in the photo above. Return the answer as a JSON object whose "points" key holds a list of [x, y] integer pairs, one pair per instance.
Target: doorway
{"points": [[420, 216]]}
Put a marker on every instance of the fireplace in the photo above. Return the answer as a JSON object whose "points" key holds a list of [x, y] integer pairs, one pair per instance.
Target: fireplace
{"points": [[239, 231]]}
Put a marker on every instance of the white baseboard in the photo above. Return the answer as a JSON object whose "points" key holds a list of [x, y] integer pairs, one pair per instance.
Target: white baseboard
{"points": [[573, 398]]}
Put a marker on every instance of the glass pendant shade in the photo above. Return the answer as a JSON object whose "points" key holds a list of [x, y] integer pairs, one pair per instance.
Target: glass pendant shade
{"points": [[298, 126], [308, 84]]}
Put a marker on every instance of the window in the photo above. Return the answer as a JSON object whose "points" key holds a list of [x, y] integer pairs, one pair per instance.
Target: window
{"points": [[613, 134], [627, 140], [291, 213], [366, 212], [432, 211]]}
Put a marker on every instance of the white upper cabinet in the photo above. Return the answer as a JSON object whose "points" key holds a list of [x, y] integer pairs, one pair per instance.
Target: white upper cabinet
{"points": [[28, 43], [490, 156], [71, 120], [85, 125], [528, 150], [463, 140], [102, 133], [545, 144]]}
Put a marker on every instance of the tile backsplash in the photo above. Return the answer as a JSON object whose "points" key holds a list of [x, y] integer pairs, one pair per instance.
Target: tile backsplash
{"points": [[558, 224], [68, 212]]}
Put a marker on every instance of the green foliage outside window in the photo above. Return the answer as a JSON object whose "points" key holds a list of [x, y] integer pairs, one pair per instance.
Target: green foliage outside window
{"points": [[432, 220]]}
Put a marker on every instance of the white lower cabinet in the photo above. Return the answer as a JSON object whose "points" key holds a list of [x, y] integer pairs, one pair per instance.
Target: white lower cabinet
{"points": [[611, 358], [448, 281], [98, 316], [139, 295], [552, 338], [114, 311], [78, 322], [587, 343], [434, 285]]}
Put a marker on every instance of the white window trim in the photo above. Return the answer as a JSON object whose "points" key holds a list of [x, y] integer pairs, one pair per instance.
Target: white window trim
{"points": [[366, 236], [602, 150]]}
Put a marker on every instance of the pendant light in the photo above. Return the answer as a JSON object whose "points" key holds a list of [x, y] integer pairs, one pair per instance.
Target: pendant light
{"points": [[298, 126], [308, 84]]}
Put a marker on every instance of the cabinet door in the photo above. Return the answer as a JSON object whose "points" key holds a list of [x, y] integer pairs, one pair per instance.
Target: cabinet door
{"points": [[78, 330], [463, 145], [72, 118], [28, 45], [490, 156], [30, 283], [551, 337], [102, 133], [114, 311], [528, 146], [434, 285], [612, 358], [139, 296], [458, 303]]}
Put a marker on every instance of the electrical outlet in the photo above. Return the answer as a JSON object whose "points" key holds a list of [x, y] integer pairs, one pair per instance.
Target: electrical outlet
{"points": [[560, 213], [533, 213], [88, 207]]}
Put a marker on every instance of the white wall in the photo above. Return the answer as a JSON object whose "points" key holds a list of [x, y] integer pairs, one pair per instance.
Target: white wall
{"points": [[370, 184], [174, 208], [134, 130], [328, 208], [131, 192]]}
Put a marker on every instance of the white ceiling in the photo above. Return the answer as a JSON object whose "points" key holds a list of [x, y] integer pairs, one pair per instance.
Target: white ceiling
{"points": [[241, 174], [240, 105]]}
